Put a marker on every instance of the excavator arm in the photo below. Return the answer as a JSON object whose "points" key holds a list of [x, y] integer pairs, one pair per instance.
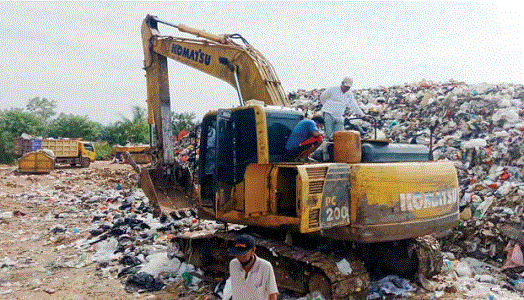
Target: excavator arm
{"points": [[240, 65]]}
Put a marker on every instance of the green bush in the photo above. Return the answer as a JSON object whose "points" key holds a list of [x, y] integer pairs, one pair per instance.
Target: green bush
{"points": [[103, 151], [6, 157]]}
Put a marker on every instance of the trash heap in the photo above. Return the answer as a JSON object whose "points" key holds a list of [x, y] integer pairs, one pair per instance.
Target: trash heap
{"points": [[479, 127], [186, 148], [131, 244], [98, 219]]}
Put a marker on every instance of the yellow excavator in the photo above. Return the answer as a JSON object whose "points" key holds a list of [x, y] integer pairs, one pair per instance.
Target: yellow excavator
{"points": [[324, 226]]}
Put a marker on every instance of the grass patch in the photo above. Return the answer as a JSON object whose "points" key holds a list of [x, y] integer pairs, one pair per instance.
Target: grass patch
{"points": [[103, 151]]}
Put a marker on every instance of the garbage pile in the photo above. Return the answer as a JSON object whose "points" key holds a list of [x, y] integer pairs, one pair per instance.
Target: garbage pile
{"points": [[480, 128], [133, 245], [122, 238], [186, 148]]}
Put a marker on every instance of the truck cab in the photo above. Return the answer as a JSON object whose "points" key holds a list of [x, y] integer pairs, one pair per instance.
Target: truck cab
{"points": [[87, 150]]}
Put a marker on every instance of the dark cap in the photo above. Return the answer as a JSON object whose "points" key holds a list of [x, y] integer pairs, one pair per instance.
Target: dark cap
{"points": [[242, 245]]}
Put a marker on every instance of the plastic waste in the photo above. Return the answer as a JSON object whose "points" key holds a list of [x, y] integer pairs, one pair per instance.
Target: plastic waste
{"points": [[316, 295], [105, 250], [130, 260], [474, 143], [438, 294], [188, 278], [477, 266], [480, 211], [227, 290], [143, 282], [390, 285], [344, 267], [463, 270], [80, 262], [447, 266], [6, 215], [485, 278], [518, 284], [160, 264], [514, 256]]}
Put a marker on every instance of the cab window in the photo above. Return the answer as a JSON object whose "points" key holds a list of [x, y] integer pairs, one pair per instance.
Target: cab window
{"points": [[89, 147]]}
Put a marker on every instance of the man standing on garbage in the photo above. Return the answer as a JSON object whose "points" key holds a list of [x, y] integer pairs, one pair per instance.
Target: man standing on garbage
{"points": [[251, 276], [334, 102]]}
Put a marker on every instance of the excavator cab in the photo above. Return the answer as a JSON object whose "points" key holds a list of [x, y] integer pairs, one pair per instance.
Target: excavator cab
{"points": [[232, 139]]}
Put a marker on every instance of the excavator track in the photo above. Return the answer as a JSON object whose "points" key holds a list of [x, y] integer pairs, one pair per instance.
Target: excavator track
{"points": [[296, 269], [303, 269]]}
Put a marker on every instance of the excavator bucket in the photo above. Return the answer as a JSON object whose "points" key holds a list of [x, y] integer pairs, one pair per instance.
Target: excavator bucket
{"points": [[168, 190]]}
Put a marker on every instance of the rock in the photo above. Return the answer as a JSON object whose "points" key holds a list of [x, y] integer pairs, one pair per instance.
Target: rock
{"points": [[58, 229]]}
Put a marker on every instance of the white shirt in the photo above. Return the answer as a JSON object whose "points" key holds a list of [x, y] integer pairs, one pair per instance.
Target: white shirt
{"points": [[259, 284], [335, 102]]}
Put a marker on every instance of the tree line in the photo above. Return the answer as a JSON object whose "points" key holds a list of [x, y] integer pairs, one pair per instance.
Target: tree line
{"points": [[39, 119]]}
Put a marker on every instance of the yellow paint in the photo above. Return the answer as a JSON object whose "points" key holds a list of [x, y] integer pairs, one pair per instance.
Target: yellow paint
{"points": [[36, 162], [256, 189], [262, 140], [382, 184], [330, 200], [68, 148], [86, 153], [263, 221]]}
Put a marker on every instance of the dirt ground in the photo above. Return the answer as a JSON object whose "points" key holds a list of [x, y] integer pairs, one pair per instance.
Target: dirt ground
{"points": [[40, 234], [45, 223]]}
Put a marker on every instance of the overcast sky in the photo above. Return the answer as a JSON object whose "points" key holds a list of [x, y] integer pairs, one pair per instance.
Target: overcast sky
{"points": [[87, 56]]}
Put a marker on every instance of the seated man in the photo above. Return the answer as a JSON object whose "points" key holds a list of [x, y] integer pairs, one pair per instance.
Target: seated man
{"points": [[304, 139]]}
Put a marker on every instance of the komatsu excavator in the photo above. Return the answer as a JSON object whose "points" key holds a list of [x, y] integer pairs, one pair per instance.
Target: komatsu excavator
{"points": [[324, 226]]}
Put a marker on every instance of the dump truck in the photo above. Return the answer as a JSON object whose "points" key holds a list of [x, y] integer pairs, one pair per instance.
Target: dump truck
{"points": [[69, 151], [139, 153], [372, 205]]}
